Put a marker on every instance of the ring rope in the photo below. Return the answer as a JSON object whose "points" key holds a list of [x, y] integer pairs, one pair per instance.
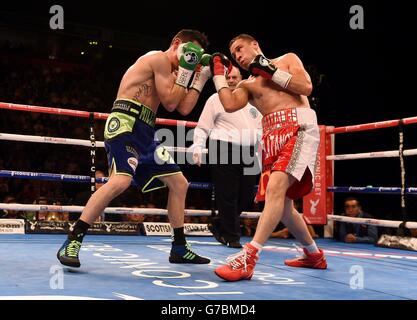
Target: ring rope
{"points": [[113, 210], [384, 190], [191, 212], [100, 144], [369, 155], [372, 222], [74, 178], [192, 185], [371, 126], [86, 114], [161, 121], [75, 142]]}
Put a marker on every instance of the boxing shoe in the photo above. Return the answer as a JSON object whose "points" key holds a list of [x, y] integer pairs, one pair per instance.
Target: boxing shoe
{"points": [[240, 266], [68, 253], [308, 260], [184, 254]]}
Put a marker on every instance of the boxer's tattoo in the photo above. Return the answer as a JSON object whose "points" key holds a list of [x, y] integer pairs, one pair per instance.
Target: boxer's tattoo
{"points": [[143, 90]]}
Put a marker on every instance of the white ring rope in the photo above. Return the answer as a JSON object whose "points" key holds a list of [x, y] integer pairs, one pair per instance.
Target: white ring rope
{"points": [[74, 142], [100, 144], [372, 222], [191, 212], [117, 210], [368, 155]]}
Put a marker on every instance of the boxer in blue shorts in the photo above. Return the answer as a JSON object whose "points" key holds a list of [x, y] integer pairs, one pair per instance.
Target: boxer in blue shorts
{"points": [[173, 78], [134, 152]]}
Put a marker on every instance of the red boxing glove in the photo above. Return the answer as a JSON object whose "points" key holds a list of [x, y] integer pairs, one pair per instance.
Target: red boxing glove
{"points": [[220, 64], [220, 67]]}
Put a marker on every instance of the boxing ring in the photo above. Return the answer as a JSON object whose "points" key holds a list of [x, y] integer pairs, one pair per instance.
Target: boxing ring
{"points": [[137, 267]]}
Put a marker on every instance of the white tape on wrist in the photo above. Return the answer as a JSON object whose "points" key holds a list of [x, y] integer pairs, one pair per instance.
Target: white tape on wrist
{"points": [[220, 82], [282, 78], [200, 78], [183, 77]]}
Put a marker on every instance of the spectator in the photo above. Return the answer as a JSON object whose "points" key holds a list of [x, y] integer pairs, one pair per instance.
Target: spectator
{"points": [[9, 214], [133, 217], [355, 232], [248, 227]]}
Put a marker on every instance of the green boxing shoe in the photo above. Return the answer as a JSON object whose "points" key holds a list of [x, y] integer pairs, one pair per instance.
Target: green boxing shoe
{"points": [[184, 254], [68, 253]]}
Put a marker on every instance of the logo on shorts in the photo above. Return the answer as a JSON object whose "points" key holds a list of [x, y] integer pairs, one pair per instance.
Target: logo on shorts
{"points": [[133, 151], [133, 163], [114, 125], [191, 57]]}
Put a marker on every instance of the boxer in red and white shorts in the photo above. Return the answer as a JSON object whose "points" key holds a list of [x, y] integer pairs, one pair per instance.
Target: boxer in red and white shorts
{"points": [[289, 143], [278, 88]]}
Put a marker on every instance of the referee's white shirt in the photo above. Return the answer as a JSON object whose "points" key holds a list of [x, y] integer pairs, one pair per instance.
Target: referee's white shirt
{"points": [[242, 127]]}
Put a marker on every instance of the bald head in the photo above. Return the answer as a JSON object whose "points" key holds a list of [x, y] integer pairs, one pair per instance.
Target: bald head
{"points": [[233, 78]]}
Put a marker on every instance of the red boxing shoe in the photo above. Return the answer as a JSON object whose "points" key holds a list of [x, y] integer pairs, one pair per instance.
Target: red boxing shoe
{"points": [[239, 266], [309, 260]]}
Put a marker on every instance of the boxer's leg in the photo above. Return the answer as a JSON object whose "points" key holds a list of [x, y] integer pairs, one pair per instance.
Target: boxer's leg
{"points": [[181, 251]]}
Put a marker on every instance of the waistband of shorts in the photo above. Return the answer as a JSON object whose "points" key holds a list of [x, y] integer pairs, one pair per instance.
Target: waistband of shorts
{"points": [[135, 109], [289, 117]]}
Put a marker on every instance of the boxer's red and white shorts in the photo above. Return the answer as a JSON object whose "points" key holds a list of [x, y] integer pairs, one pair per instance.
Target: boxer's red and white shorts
{"points": [[289, 143]]}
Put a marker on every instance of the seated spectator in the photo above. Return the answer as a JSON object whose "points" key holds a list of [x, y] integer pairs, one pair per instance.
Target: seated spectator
{"points": [[355, 232], [41, 215], [4, 188], [10, 214], [204, 220], [133, 217], [248, 227], [57, 215]]}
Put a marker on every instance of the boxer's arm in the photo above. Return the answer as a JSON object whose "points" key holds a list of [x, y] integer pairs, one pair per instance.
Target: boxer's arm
{"points": [[188, 103], [300, 82], [234, 100], [231, 100], [168, 91], [296, 79]]}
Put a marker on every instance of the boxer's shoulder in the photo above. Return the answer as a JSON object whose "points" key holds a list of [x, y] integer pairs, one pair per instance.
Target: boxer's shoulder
{"points": [[289, 58], [154, 57]]}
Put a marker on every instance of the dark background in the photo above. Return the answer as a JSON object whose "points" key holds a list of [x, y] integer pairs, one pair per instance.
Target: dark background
{"points": [[359, 76]]}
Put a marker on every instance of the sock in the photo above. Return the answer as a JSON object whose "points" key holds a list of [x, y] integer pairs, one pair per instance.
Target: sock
{"points": [[257, 246], [80, 229], [179, 237], [312, 248]]}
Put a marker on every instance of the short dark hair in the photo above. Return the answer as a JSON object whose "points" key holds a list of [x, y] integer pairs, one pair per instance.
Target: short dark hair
{"points": [[352, 199], [193, 35], [244, 36]]}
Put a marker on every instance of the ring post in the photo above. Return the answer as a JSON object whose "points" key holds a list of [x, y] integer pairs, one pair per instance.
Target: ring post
{"points": [[318, 203]]}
